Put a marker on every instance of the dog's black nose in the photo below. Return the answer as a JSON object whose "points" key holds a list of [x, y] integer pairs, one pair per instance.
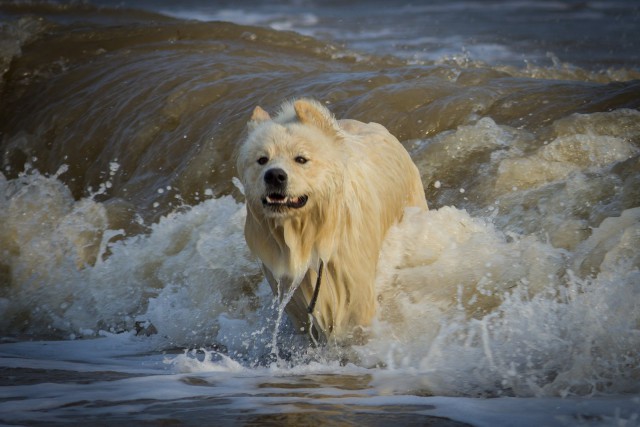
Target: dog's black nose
{"points": [[276, 177]]}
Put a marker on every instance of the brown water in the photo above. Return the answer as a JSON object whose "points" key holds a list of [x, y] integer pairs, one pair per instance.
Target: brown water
{"points": [[119, 213], [168, 100]]}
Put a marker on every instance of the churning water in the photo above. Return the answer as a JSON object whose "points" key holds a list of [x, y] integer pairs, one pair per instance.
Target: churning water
{"points": [[127, 293]]}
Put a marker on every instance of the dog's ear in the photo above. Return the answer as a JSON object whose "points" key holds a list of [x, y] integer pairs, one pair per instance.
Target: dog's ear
{"points": [[258, 116], [312, 113]]}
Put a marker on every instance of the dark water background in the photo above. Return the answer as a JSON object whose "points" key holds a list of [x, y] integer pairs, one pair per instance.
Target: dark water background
{"points": [[590, 34]]}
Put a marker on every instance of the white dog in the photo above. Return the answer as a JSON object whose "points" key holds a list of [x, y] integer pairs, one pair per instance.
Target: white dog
{"points": [[321, 194]]}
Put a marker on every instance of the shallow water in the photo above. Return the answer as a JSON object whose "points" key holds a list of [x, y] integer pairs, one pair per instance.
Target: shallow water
{"points": [[118, 378], [127, 292]]}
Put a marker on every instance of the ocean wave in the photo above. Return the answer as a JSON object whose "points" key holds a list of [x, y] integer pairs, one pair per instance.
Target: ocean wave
{"points": [[120, 214]]}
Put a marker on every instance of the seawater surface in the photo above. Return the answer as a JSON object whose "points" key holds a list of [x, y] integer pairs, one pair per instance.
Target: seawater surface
{"points": [[127, 293]]}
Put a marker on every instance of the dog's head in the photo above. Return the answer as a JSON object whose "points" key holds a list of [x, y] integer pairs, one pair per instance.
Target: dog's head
{"points": [[293, 162]]}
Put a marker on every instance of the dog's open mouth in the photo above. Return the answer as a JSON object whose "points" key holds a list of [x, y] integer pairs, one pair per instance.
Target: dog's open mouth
{"points": [[278, 201]]}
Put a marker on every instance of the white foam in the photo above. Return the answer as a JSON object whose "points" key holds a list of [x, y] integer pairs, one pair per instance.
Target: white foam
{"points": [[191, 362], [474, 307], [278, 20], [469, 304], [189, 269]]}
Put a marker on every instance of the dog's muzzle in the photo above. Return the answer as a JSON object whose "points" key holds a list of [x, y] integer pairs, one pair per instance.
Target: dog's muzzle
{"points": [[276, 180]]}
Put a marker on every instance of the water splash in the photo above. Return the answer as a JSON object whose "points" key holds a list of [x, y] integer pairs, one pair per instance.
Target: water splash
{"points": [[283, 298], [493, 300]]}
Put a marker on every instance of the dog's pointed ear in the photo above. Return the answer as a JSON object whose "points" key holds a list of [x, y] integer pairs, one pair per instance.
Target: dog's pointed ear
{"points": [[258, 116], [314, 114]]}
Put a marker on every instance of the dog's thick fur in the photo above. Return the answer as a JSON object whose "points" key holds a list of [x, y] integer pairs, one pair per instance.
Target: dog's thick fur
{"points": [[317, 189]]}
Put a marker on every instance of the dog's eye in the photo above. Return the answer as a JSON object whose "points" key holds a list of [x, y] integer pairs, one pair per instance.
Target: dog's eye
{"points": [[301, 160], [263, 160]]}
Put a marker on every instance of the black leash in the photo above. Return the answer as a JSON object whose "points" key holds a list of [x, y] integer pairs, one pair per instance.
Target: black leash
{"points": [[314, 299]]}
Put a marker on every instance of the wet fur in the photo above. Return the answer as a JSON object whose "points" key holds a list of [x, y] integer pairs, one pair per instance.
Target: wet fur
{"points": [[358, 179]]}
